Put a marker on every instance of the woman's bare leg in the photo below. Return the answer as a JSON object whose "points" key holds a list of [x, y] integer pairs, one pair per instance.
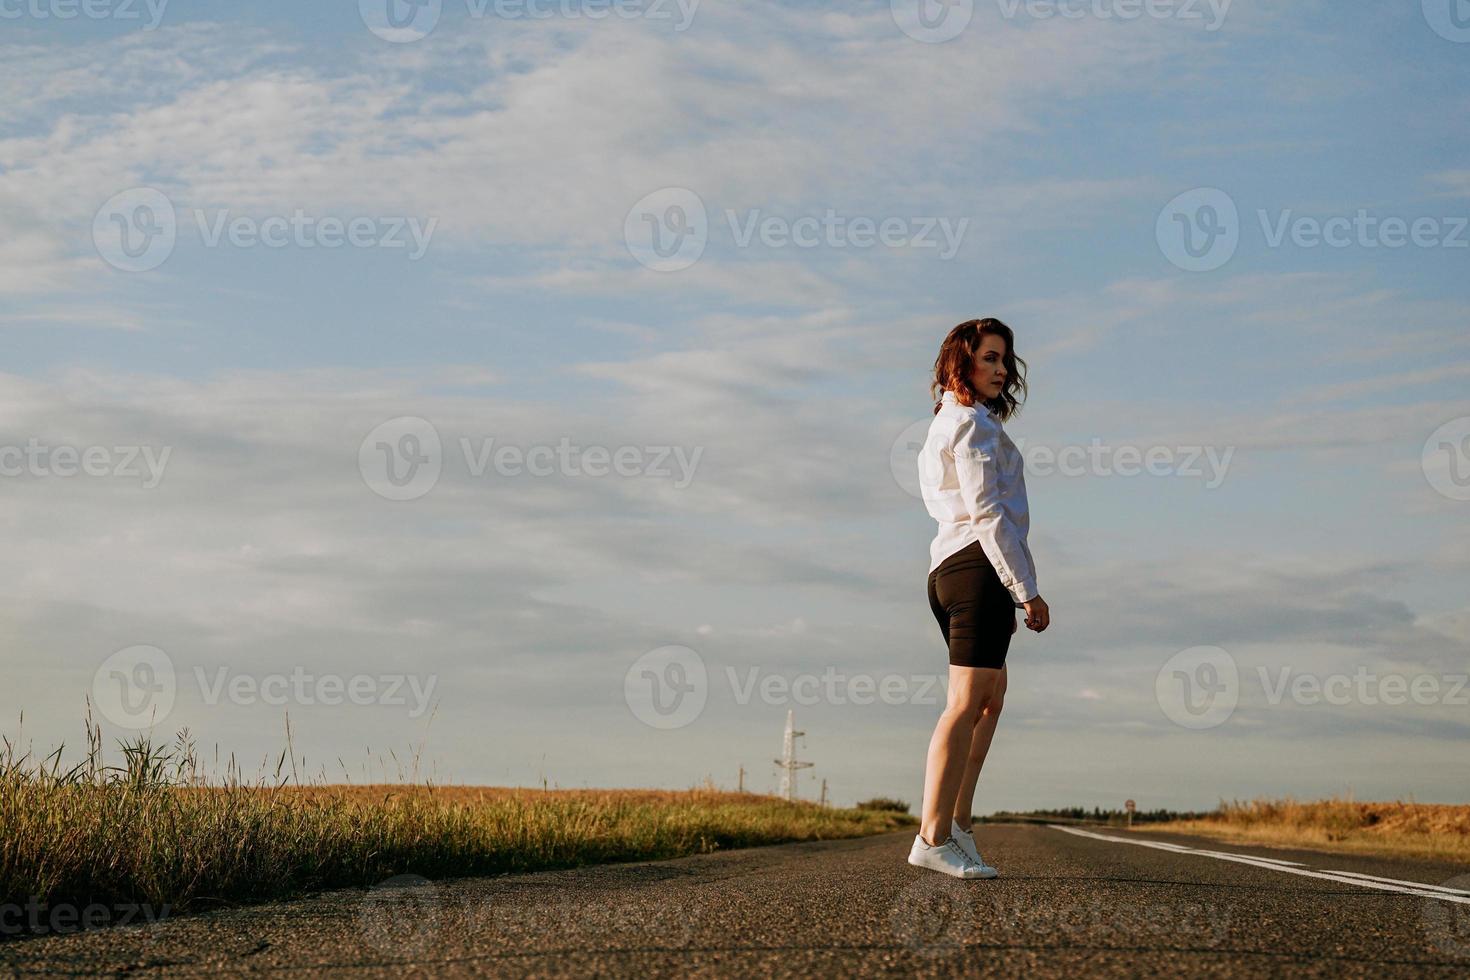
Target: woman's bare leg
{"points": [[979, 747], [971, 691]]}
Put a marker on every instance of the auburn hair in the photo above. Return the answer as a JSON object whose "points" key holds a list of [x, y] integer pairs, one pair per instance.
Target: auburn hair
{"points": [[956, 364]]}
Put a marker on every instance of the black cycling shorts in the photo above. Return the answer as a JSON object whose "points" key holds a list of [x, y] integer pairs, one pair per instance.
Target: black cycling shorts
{"points": [[975, 611]]}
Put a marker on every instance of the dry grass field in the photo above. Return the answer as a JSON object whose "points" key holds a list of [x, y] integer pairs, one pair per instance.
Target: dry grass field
{"points": [[1435, 831], [146, 830]]}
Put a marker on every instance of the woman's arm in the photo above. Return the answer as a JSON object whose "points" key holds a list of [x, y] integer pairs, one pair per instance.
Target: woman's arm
{"points": [[977, 461]]}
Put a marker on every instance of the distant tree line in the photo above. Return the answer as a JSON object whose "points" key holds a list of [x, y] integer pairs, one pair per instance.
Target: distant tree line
{"points": [[1097, 814]]}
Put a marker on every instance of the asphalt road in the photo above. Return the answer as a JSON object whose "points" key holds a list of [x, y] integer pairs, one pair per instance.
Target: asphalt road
{"points": [[1066, 904]]}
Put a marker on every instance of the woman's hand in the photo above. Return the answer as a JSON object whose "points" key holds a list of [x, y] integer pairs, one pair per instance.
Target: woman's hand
{"points": [[1038, 615]]}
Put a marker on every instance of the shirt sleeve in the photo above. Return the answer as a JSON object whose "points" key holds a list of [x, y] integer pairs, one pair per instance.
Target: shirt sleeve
{"points": [[977, 461]]}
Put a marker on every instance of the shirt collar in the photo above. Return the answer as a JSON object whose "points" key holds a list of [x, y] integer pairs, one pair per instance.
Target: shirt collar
{"points": [[949, 399]]}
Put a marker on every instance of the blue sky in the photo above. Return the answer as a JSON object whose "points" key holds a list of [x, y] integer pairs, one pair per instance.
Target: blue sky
{"points": [[1333, 542]]}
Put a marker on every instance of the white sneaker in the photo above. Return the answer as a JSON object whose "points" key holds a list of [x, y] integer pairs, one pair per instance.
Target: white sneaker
{"points": [[948, 858], [966, 841]]}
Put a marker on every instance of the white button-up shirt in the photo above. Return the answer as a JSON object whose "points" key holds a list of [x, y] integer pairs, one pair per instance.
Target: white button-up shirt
{"points": [[973, 483]]}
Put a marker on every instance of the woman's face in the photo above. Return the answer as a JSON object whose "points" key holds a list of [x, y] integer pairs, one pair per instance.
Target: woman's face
{"points": [[990, 369]]}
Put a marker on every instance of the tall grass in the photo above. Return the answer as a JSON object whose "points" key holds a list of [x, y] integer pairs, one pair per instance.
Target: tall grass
{"points": [[1427, 830], [152, 830]]}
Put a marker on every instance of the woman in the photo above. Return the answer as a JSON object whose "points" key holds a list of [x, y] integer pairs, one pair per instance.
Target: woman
{"points": [[980, 571]]}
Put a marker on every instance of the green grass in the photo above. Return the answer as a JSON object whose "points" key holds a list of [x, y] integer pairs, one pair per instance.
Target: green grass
{"points": [[149, 831]]}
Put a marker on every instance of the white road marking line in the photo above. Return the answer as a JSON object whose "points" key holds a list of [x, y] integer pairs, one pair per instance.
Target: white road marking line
{"points": [[1271, 864], [1397, 881]]}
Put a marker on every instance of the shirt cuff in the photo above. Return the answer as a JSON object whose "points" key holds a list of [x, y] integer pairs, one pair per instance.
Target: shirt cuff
{"points": [[1024, 591]]}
